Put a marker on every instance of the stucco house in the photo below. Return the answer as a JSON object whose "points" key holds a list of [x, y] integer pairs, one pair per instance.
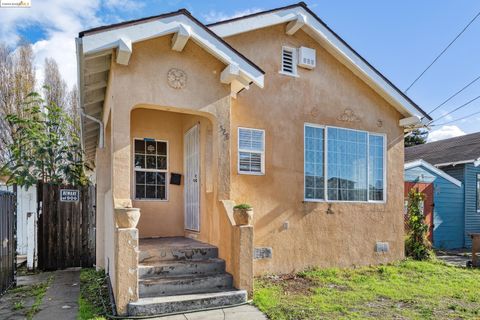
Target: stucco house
{"points": [[453, 166], [184, 120]]}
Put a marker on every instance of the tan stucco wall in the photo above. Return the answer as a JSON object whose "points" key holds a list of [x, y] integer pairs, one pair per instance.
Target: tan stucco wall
{"points": [[314, 238]]}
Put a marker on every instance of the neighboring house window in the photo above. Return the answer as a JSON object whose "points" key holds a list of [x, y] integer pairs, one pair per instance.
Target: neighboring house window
{"points": [[344, 164], [151, 165], [289, 61], [478, 193], [251, 151]]}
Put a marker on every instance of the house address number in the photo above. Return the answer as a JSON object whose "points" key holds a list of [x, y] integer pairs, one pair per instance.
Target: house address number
{"points": [[69, 195]]}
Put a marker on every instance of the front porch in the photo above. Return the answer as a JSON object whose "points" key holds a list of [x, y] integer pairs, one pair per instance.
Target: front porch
{"points": [[186, 253], [178, 274]]}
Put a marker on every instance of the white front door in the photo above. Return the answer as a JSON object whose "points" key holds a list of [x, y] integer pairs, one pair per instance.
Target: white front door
{"points": [[192, 178]]}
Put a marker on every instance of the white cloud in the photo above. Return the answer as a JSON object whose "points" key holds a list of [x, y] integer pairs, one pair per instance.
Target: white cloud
{"points": [[61, 20], [215, 16], [445, 132]]}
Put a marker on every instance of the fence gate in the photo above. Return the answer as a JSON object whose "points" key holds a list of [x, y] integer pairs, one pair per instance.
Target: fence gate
{"points": [[8, 221], [66, 226]]}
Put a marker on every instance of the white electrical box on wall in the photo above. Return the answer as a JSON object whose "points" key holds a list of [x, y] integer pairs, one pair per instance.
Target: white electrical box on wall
{"points": [[306, 58]]}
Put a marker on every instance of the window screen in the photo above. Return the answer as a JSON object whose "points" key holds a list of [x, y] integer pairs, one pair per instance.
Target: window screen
{"points": [[151, 164], [251, 151]]}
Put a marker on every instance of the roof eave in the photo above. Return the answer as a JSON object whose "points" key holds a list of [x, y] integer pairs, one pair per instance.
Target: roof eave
{"points": [[334, 44]]}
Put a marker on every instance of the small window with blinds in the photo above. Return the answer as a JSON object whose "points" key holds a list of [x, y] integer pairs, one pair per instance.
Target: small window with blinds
{"points": [[251, 151], [289, 61]]}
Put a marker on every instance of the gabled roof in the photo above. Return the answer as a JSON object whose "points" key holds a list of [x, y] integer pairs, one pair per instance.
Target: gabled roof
{"points": [[95, 48], [463, 149], [300, 16], [441, 173]]}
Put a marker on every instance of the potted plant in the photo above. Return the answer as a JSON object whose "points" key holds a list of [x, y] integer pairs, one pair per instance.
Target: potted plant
{"points": [[125, 215], [243, 214]]}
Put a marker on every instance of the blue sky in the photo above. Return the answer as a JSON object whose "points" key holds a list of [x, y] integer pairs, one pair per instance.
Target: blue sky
{"points": [[400, 38]]}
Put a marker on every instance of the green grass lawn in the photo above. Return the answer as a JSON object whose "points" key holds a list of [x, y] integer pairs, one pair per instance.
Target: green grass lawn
{"points": [[404, 290]]}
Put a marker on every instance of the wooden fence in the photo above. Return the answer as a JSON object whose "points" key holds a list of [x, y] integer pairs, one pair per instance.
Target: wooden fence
{"points": [[66, 226], [8, 221]]}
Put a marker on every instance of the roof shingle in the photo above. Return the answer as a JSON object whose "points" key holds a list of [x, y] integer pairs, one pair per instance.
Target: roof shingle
{"points": [[458, 149]]}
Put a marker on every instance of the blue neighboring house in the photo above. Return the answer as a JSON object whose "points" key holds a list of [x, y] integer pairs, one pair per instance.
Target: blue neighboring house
{"points": [[453, 166]]}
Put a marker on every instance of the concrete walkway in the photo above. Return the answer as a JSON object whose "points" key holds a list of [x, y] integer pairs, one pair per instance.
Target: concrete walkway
{"points": [[61, 299], [457, 258], [245, 312]]}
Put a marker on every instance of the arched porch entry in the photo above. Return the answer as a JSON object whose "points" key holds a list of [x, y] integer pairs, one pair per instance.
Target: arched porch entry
{"points": [[172, 171]]}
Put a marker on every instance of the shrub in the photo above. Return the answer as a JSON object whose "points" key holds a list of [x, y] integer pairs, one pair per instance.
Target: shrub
{"points": [[417, 245]]}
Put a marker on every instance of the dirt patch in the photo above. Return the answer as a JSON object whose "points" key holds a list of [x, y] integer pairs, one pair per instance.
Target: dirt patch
{"points": [[293, 284]]}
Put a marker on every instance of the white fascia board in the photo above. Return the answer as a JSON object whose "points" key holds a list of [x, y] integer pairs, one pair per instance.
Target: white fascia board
{"points": [[108, 39], [331, 43], [453, 163], [441, 173]]}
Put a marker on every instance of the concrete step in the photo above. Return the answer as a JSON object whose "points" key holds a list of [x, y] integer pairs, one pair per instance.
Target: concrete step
{"points": [[182, 303], [176, 253], [181, 267], [156, 286]]}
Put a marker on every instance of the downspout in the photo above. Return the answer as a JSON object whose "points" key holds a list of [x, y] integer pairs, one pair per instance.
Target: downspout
{"points": [[100, 123]]}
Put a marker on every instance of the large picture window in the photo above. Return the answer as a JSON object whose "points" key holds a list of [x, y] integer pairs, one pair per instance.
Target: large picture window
{"points": [[151, 165], [343, 165]]}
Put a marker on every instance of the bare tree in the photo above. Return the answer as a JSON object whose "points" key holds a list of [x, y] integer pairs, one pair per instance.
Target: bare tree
{"points": [[73, 109], [17, 80], [55, 88]]}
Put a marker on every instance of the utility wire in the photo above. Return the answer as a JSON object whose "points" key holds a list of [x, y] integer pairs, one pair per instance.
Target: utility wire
{"points": [[454, 95], [459, 119], [456, 109], [444, 50]]}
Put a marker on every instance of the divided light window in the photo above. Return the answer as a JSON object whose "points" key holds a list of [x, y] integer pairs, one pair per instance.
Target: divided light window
{"points": [[344, 165], [251, 151], [151, 164], [289, 60]]}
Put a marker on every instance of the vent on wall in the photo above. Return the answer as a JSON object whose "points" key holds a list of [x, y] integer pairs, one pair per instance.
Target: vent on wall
{"points": [[289, 61]]}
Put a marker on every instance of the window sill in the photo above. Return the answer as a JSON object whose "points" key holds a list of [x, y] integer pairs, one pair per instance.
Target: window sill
{"points": [[252, 173], [343, 202], [293, 75], [150, 200]]}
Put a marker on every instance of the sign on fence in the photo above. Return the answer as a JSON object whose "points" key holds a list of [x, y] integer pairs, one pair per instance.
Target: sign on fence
{"points": [[69, 195]]}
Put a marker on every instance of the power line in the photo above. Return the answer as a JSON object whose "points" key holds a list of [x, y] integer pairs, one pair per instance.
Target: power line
{"points": [[459, 119], [441, 53], [454, 95], [456, 109]]}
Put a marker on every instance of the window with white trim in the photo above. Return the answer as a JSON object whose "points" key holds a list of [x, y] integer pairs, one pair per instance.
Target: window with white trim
{"points": [[150, 166], [251, 151], [289, 61], [478, 193], [343, 164]]}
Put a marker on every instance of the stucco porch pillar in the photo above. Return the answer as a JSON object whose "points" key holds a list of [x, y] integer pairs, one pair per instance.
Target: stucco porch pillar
{"points": [[121, 152]]}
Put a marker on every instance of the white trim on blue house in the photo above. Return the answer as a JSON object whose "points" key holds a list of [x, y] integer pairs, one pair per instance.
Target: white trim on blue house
{"points": [[422, 163]]}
